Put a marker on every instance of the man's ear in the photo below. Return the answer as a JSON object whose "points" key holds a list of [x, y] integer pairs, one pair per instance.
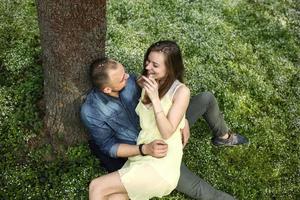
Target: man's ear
{"points": [[106, 90]]}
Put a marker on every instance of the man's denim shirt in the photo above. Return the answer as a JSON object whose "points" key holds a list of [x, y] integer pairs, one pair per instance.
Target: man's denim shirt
{"points": [[110, 120]]}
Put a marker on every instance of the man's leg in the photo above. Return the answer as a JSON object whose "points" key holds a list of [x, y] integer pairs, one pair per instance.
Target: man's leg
{"points": [[206, 105], [193, 186], [203, 104]]}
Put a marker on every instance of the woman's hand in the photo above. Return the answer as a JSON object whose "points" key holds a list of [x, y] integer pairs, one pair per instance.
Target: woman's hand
{"points": [[151, 88]]}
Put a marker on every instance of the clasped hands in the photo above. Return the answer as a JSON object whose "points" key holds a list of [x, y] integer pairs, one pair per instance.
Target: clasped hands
{"points": [[156, 148], [151, 87]]}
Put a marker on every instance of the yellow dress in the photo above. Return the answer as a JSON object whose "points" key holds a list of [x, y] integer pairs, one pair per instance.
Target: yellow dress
{"points": [[145, 177]]}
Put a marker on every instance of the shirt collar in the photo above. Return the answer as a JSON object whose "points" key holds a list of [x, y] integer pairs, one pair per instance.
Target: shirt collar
{"points": [[105, 98]]}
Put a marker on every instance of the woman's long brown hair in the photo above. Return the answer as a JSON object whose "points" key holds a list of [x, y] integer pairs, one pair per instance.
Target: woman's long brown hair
{"points": [[173, 62]]}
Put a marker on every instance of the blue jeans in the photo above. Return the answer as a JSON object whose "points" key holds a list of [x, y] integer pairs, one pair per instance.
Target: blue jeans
{"points": [[206, 105]]}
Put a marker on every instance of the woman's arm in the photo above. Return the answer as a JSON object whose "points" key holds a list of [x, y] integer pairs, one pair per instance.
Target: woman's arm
{"points": [[167, 124]]}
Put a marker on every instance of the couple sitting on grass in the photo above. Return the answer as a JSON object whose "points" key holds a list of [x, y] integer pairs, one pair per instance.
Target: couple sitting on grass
{"points": [[139, 127]]}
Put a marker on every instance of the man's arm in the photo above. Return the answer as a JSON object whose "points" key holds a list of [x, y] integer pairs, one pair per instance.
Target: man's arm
{"points": [[157, 148], [105, 139]]}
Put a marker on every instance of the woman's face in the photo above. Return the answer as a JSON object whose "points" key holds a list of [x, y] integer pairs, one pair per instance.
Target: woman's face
{"points": [[155, 65]]}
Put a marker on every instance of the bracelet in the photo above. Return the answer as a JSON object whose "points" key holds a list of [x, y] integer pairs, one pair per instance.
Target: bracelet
{"points": [[140, 149], [159, 112]]}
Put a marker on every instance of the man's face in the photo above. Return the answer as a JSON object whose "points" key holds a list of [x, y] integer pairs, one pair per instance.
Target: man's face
{"points": [[117, 78]]}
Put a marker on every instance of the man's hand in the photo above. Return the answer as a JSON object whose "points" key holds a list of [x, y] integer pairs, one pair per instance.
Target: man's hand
{"points": [[140, 81], [185, 133], [157, 149]]}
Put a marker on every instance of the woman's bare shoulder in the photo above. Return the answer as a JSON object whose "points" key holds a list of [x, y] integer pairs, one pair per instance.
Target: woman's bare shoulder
{"points": [[182, 91]]}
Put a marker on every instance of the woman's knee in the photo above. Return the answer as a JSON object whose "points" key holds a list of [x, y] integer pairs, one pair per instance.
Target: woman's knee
{"points": [[95, 187], [92, 185], [121, 196], [106, 185]]}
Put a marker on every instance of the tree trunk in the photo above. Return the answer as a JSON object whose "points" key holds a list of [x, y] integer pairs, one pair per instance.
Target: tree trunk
{"points": [[72, 36]]}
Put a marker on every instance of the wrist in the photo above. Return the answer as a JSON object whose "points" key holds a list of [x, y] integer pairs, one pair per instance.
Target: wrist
{"points": [[159, 115], [141, 150], [157, 108], [155, 101], [159, 112]]}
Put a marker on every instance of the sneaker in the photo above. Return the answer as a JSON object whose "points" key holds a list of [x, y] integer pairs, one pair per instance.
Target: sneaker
{"points": [[233, 140]]}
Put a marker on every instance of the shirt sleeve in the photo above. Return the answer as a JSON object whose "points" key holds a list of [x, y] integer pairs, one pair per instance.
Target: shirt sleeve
{"points": [[102, 135]]}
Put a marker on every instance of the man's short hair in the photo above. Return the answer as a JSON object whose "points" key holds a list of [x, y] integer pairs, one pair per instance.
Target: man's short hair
{"points": [[98, 71]]}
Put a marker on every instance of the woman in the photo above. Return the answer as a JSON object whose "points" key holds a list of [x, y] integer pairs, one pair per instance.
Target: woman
{"points": [[162, 108]]}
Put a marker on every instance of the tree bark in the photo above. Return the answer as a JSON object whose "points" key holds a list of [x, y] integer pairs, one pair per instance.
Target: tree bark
{"points": [[72, 36]]}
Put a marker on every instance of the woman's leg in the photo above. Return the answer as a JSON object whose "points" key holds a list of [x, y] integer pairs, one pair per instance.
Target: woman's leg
{"points": [[102, 187], [120, 196]]}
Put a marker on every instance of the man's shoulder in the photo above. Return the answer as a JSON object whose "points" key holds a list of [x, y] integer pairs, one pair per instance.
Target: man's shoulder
{"points": [[132, 79], [98, 106], [133, 76], [131, 85], [95, 96], [92, 102]]}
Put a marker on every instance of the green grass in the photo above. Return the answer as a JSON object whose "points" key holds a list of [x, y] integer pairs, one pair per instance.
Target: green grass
{"points": [[246, 52]]}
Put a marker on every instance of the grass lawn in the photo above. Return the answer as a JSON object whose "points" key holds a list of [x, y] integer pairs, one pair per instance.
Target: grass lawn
{"points": [[246, 52]]}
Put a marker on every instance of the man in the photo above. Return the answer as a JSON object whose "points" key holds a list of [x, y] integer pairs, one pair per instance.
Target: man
{"points": [[109, 114]]}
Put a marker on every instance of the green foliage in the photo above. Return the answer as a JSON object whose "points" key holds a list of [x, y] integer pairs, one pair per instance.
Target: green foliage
{"points": [[18, 34], [246, 52]]}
